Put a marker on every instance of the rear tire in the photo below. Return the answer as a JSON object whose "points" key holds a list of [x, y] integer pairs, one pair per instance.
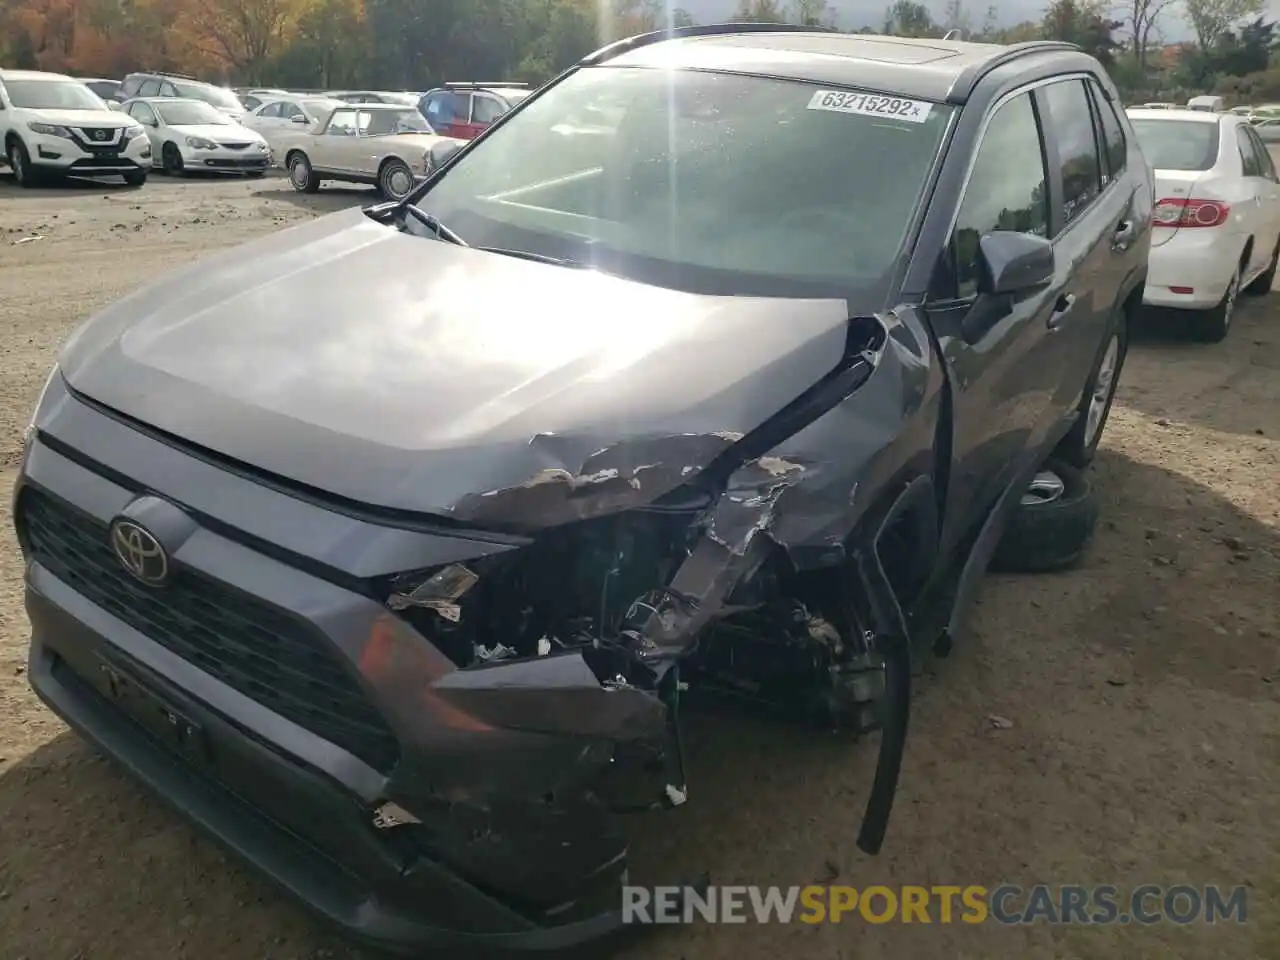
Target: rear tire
{"points": [[1211, 326], [1050, 534], [1262, 283], [1080, 445]]}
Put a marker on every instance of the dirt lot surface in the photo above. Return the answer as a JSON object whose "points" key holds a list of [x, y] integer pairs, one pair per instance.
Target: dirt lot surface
{"points": [[1144, 717]]}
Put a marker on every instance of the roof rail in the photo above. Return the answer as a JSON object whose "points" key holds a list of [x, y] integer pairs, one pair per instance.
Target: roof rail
{"points": [[480, 84], [168, 73], [627, 44], [969, 78]]}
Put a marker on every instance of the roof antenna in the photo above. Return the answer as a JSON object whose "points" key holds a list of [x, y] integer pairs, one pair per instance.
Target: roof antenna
{"points": [[955, 34]]}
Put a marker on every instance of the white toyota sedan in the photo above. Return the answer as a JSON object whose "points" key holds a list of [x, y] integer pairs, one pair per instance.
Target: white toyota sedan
{"points": [[1216, 228]]}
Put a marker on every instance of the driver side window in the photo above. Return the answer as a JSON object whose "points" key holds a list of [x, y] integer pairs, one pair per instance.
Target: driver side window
{"points": [[1007, 188]]}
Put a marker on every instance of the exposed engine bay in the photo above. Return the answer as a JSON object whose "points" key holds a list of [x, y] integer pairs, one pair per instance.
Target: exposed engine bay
{"points": [[792, 640]]}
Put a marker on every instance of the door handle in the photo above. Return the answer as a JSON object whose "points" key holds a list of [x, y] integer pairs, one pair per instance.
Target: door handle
{"points": [[1060, 310], [1123, 235]]}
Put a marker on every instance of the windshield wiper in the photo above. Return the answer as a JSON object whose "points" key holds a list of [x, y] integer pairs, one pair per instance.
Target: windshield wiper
{"points": [[433, 224], [538, 257]]}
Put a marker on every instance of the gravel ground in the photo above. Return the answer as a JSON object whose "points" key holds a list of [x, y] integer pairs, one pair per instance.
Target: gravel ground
{"points": [[1144, 720]]}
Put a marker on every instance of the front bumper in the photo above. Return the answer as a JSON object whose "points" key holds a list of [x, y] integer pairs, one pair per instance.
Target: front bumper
{"points": [[248, 159], [1200, 261], [295, 805], [82, 156]]}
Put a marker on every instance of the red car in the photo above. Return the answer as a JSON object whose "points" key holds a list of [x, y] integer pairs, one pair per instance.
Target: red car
{"points": [[463, 110]]}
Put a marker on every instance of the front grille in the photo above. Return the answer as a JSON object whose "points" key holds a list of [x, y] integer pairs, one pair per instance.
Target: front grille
{"points": [[98, 138], [247, 644], [235, 146]]}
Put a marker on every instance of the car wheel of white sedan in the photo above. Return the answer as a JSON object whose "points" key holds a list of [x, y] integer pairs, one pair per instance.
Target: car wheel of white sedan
{"points": [[395, 179], [1212, 325]]}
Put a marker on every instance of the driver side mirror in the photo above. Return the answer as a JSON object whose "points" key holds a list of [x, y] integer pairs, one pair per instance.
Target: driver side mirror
{"points": [[1013, 263], [112, 105]]}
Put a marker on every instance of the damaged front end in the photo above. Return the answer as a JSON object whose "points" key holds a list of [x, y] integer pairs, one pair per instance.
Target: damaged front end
{"points": [[552, 685]]}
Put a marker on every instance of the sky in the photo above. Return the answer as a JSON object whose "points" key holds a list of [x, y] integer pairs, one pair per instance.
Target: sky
{"points": [[855, 13]]}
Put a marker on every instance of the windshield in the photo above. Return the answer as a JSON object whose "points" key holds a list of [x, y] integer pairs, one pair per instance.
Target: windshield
{"points": [[52, 95], [711, 182], [1177, 144], [382, 123], [179, 114], [223, 99]]}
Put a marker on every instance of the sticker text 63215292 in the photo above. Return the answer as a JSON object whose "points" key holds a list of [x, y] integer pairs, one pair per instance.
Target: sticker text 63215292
{"points": [[871, 105]]}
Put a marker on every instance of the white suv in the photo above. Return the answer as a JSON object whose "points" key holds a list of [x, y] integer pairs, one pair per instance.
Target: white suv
{"points": [[54, 125]]}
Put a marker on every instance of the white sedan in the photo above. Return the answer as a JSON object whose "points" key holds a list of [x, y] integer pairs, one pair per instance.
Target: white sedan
{"points": [[284, 121], [1216, 227], [192, 135]]}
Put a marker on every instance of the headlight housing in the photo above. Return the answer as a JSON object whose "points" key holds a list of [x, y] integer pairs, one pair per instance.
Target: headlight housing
{"points": [[134, 132], [200, 143], [29, 431], [49, 129]]}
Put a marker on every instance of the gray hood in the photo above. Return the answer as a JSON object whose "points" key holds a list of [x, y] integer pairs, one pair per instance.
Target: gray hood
{"points": [[412, 374]]}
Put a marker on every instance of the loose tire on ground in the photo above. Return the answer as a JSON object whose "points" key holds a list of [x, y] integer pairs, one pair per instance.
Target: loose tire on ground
{"points": [[1051, 534], [135, 179]]}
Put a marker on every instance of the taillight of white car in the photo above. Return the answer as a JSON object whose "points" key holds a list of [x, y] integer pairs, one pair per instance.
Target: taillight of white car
{"points": [[1181, 212]]}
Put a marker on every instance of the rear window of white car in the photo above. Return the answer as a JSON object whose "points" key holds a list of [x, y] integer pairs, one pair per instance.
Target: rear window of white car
{"points": [[1177, 144]]}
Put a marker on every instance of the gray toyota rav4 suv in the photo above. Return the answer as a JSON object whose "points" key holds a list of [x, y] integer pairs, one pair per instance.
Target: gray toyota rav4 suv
{"points": [[387, 547]]}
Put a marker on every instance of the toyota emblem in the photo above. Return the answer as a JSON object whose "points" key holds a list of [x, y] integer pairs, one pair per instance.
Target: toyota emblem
{"points": [[139, 552]]}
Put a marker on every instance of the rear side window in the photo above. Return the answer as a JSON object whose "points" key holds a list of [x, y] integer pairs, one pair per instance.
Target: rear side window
{"points": [[1114, 147], [149, 88], [1248, 159], [130, 86], [1264, 155], [487, 109], [1071, 121], [1006, 189], [1177, 144]]}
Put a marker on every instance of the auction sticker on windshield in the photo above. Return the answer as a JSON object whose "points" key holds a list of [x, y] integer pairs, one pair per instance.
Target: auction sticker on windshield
{"points": [[871, 105]]}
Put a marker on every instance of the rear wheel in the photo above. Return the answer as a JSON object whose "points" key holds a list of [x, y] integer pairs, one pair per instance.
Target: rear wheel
{"points": [[1211, 326], [1079, 446], [1262, 284]]}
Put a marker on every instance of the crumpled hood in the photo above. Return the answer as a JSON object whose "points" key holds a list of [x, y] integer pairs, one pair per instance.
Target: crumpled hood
{"points": [[412, 374]]}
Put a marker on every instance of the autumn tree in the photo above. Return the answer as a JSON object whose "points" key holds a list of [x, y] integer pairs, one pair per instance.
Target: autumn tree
{"points": [[1212, 19], [247, 34]]}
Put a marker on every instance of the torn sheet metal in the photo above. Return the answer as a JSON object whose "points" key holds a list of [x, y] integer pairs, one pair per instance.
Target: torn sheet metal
{"points": [[557, 694], [440, 592], [611, 479], [861, 442]]}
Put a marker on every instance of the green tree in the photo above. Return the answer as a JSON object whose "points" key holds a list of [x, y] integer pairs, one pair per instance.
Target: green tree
{"points": [[907, 18]]}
